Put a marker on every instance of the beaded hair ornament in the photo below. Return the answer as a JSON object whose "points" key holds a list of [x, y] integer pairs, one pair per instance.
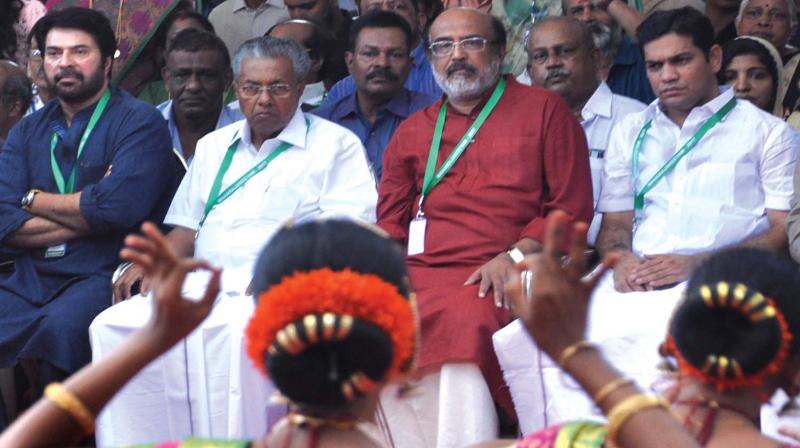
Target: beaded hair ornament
{"points": [[723, 369], [326, 302]]}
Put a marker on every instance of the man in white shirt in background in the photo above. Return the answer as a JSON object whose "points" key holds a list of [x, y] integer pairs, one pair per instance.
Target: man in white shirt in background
{"points": [[733, 187], [561, 58], [302, 168]]}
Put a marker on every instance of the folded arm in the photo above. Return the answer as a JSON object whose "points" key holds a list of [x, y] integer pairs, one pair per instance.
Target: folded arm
{"points": [[40, 232]]}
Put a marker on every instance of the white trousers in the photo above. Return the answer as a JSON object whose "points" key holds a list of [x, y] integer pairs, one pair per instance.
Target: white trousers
{"points": [[205, 386], [451, 408], [628, 328]]}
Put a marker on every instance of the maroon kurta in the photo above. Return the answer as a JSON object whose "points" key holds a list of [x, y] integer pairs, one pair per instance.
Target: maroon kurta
{"points": [[529, 158]]}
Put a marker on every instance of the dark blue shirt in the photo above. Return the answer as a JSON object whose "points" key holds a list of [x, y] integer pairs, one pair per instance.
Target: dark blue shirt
{"points": [[375, 136], [131, 137], [628, 75], [47, 303], [420, 79]]}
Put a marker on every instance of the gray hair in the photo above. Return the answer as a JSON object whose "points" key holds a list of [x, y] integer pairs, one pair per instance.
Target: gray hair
{"points": [[17, 86], [790, 6], [268, 47]]}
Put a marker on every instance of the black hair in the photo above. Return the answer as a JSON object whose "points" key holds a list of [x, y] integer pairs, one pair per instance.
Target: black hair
{"points": [[745, 46], [315, 376], [193, 40], [180, 13], [17, 87], [686, 21], [498, 29], [699, 330], [87, 20], [379, 19], [318, 44]]}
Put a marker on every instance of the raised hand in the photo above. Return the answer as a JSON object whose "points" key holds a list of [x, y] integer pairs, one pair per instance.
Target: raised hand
{"points": [[557, 313], [174, 316]]}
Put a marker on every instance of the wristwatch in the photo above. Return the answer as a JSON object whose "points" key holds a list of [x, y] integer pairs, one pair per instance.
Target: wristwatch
{"points": [[27, 199], [516, 255]]}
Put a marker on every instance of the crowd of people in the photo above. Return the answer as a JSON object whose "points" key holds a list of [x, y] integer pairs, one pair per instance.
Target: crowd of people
{"points": [[416, 223]]}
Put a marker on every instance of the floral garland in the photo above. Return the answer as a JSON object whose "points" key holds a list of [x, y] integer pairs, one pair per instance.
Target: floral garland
{"points": [[363, 296]]}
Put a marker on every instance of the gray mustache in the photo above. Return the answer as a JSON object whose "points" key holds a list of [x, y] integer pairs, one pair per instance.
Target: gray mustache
{"points": [[556, 72], [459, 65]]}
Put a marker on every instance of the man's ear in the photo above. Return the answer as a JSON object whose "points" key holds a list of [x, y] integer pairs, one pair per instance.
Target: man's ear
{"points": [[227, 78], [348, 60], [16, 110], [715, 57], [106, 66]]}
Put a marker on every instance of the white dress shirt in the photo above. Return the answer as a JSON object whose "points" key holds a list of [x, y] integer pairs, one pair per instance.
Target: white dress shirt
{"points": [[718, 194], [598, 117], [324, 174], [206, 386]]}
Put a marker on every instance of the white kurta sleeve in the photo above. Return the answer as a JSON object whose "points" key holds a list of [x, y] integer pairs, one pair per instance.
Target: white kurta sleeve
{"points": [[777, 167], [616, 183], [349, 189]]}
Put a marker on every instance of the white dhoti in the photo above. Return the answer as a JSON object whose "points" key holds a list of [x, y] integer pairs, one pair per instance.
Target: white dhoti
{"points": [[628, 328], [451, 408], [205, 386]]}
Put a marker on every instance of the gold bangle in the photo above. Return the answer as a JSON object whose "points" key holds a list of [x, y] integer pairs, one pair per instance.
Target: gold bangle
{"points": [[573, 349], [609, 389], [629, 407], [70, 404]]}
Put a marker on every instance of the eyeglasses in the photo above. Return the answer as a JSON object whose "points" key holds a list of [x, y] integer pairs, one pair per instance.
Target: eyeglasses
{"points": [[250, 90], [756, 13], [444, 48], [539, 56]]}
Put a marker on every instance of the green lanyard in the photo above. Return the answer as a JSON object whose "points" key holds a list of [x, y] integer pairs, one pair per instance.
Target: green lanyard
{"points": [[215, 196], [431, 180], [638, 200], [69, 187]]}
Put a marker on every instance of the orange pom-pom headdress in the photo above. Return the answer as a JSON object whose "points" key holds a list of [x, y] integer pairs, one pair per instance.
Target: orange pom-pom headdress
{"points": [[327, 301], [722, 369]]}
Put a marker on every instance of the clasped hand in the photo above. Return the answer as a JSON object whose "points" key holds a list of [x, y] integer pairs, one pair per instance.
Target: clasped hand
{"points": [[653, 271]]}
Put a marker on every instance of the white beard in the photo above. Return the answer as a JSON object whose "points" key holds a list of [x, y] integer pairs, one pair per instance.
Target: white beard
{"points": [[458, 87]]}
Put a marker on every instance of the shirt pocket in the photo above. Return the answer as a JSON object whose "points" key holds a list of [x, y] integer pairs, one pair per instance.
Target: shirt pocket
{"points": [[275, 202]]}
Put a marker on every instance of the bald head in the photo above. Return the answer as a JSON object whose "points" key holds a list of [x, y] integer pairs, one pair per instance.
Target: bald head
{"points": [[490, 24], [565, 25], [561, 58], [15, 96], [311, 37]]}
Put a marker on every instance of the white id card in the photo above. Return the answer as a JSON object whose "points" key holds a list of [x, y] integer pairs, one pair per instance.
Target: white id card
{"points": [[56, 251], [416, 235]]}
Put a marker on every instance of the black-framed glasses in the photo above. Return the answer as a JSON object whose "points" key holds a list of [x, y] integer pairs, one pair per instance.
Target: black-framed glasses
{"points": [[443, 48], [250, 90]]}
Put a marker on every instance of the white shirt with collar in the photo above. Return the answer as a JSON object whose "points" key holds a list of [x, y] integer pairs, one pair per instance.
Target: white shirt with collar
{"points": [[598, 117], [719, 193], [324, 174], [716, 196]]}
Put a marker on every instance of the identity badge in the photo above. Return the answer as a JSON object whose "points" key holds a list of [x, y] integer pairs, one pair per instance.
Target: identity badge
{"points": [[56, 251], [416, 235]]}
